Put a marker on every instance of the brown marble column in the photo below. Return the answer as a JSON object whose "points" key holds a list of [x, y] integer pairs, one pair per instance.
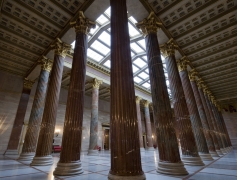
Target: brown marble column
{"points": [[45, 141], [182, 120], [12, 148], [213, 121], [208, 116], [205, 125], [139, 123], [193, 110], [31, 137], [93, 147], [148, 126], [169, 157], [125, 148], [69, 162]]}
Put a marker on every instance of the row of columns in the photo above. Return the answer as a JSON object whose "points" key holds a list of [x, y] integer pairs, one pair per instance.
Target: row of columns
{"points": [[202, 132]]}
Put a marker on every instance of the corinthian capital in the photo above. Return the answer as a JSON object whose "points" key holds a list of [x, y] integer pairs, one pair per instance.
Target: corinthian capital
{"points": [[138, 99], [28, 83], [82, 24], [168, 49], [96, 83], [200, 83], [61, 48], [182, 64], [149, 25], [192, 74], [46, 64], [146, 103]]}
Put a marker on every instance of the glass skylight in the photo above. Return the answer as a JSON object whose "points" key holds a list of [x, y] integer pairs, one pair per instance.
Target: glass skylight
{"points": [[132, 31], [102, 19], [147, 70], [73, 44], [146, 85], [134, 69], [92, 31], [105, 37], [131, 18], [100, 47], [93, 55], [107, 63], [107, 12], [140, 63], [144, 57], [136, 48], [137, 79], [142, 43], [143, 75], [132, 54]]}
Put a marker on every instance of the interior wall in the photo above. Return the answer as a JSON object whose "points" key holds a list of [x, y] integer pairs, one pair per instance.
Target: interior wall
{"points": [[231, 125]]}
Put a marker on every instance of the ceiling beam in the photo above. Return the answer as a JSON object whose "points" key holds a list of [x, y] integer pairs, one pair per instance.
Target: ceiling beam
{"points": [[233, 69], [230, 79], [218, 68]]}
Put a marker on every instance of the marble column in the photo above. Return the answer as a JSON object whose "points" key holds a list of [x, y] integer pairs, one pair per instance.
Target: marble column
{"points": [[169, 157], [225, 129], [211, 127], [193, 110], [202, 114], [12, 148], [125, 148], [93, 147], [148, 126], [69, 162], [185, 135], [213, 121], [31, 138], [139, 123], [45, 141]]}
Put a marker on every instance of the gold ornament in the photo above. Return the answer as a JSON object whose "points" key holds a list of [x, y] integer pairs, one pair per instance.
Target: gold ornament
{"points": [[96, 83], [61, 48], [182, 64], [46, 64], [138, 99], [146, 103], [192, 75], [28, 83], [168, 49]]}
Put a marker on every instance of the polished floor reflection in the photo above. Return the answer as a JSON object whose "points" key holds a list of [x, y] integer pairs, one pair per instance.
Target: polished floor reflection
{"points": [[97, 168]]}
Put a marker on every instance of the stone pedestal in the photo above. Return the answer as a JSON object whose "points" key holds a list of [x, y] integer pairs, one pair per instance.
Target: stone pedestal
{"points": [[139, 123], [192, 108], [93, 147], [13, 143], [31, 137], [45, 140], [169, 157], [69, 162], [125, 148], [183, 124]]}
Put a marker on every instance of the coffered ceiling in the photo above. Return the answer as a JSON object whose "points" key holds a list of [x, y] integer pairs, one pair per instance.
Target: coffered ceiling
{"points": [[204, 30]]}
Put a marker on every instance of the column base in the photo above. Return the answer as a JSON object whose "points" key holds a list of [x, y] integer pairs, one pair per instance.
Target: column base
{"points": [[68, 169], [93, 153], [219, 152], [26, 156], [150, 149], [115, 177], [214, 154], [11, 152], [223, 150], [192, 161], [42, 161], [206, 156], [177, 169], [226, 150]]}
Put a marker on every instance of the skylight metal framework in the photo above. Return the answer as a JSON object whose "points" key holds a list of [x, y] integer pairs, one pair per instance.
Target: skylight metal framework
{"points": [[99, 49]]}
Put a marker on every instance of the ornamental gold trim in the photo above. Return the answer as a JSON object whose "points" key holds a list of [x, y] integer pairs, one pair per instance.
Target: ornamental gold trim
{"points": [[149, 25], [182, 63], [168, 49], [82, 24], [46, 64], [28, 83], [61, 48], [96, 83], [146, 103], [192, 75], [138, 99]]}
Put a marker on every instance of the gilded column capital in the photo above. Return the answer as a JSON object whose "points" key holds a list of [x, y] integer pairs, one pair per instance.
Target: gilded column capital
{"points": [[138, 99], [149, 25], [168, 49], [82, 24], [192, 74], [146, 103], [61, 48], [200, 83], [28, 83], [96, 83], [46, 64], [205, 89], [182, 64]]}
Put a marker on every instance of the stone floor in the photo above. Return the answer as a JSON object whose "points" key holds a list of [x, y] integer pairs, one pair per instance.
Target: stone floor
{"points": [[97, 168]]}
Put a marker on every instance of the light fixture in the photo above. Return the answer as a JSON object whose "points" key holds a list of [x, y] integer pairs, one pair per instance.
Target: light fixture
{"points": [[152, 136], [57, 131]]}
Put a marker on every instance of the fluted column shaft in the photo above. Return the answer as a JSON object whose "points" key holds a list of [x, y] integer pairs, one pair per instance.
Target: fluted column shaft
{"points": [[125, 148], [183, 123], [13, 143], [148, 125], [213, 121], [31, 137], [206, 129], [193, 112], [139, 122], [212, 131]]}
